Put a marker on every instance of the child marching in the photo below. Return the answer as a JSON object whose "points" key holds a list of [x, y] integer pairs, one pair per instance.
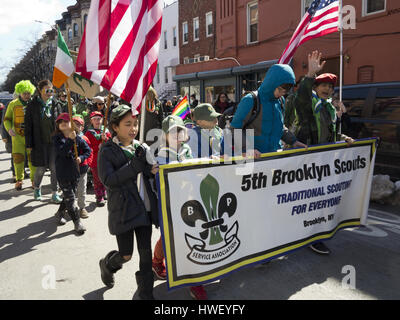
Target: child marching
{"points": [[67, 168], [173, 148], [96, 137], [121, 159]]}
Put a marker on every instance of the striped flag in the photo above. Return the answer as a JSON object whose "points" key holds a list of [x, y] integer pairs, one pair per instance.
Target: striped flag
{"points": [[182, 109], [64, 65], [320, 19], [120, 45]]}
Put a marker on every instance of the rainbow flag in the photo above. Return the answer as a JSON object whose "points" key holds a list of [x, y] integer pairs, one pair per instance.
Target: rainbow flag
{"points": [[182, 109]]}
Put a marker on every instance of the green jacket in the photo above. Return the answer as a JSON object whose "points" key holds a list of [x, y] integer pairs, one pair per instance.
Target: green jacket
{"points": [[315, 118]]}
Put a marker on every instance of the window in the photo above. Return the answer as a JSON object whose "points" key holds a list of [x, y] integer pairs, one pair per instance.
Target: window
{"points": [[209, 24], [373, 6], [365, 74], [196, 26], [158, 74], [252, 22], [305, 5], [185, 32], [196, 58], [166, 74], [165, 40], [185, 60], [76, 30], [69, 34], [174, 38]]}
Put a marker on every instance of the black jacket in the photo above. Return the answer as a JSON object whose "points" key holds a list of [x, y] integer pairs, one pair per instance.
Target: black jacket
{"points": [[66, 167], [126, 209], [33, 133]]}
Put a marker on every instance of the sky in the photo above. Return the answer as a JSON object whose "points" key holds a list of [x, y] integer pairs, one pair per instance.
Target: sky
{"points": [[19, 31]]}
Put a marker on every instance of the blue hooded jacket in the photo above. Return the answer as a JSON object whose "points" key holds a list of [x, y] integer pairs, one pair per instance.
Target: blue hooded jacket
{"points": [[272, 114]]}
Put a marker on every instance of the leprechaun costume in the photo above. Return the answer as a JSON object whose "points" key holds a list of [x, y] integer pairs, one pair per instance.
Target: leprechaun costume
{"points": [[14, 124]]}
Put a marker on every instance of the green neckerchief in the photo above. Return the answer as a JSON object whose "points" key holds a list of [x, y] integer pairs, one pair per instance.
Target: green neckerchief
{"points": [[46, 108], [129, 150]]}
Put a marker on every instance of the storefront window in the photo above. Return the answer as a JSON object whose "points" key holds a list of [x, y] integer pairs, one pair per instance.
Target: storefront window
{"points": [[184, 89], [214, 87], [194, 88]]}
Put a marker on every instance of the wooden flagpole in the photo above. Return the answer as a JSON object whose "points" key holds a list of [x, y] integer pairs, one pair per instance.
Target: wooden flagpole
{"points": [[70, 119]]}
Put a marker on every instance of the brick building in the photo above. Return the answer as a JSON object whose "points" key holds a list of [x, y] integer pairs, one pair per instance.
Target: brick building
{"points": [[251, 35]]}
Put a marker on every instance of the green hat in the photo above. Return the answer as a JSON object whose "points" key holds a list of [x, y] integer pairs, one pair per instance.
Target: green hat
{"points": [[171, 122], [205, 111], [120, 111]]}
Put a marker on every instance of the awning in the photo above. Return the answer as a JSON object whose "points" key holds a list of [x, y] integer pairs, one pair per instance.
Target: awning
{"points": [[227, 72]]}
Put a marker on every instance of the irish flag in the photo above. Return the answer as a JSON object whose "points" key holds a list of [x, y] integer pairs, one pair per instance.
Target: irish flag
{"points": [[182, 109], [64, 66]]}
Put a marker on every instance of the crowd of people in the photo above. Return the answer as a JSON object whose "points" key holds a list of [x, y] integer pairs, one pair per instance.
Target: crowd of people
{"points": [[44, 136]]}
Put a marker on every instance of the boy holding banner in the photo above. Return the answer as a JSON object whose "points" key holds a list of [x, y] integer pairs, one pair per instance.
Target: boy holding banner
{"points": [[315, 115], [173, 148], [210, 137]]}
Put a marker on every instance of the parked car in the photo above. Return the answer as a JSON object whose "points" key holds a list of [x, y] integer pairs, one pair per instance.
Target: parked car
{"points": [[374, 111]]}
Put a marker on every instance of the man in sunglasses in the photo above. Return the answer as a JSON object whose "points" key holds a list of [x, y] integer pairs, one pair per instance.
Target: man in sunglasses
{"points": [[267, 121]]}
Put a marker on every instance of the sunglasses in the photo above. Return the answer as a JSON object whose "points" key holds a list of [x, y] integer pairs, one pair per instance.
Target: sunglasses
{"points": [[100, 103], [49, 91]]}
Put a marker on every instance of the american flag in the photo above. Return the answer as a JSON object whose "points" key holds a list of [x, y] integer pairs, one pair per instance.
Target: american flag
{"points": [[120, 45], [320, 19]]}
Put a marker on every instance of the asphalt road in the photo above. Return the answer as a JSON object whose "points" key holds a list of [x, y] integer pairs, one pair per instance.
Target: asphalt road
{"points": [[41, 261]]}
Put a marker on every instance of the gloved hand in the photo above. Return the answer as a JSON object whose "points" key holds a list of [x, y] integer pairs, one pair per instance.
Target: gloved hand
{"points": [[11, 132]]}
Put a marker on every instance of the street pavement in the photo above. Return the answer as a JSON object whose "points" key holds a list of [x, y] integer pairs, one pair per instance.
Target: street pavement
{"points": [[42, 261]]}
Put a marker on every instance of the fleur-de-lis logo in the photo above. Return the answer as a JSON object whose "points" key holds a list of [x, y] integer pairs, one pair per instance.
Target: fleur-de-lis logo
{"points": [[212, 218]]}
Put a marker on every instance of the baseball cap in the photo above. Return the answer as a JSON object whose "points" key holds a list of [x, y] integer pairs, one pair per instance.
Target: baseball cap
{"points": [[205, 111], [78, 119], [63, 116], [171, 122], [95, 114]]}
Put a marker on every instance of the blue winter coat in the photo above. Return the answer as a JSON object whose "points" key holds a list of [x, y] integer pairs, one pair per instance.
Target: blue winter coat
{"points": [[269, 126]]}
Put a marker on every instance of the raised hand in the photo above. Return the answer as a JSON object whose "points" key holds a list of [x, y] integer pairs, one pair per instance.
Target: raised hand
{"points": [[314, 63]]}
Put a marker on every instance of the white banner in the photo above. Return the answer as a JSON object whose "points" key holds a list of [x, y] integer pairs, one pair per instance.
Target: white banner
{"points": [[217, 218]]}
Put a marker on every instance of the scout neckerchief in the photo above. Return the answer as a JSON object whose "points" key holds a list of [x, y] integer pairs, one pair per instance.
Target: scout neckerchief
{"points": [[46, 108], [129, 150], [96, 134]]}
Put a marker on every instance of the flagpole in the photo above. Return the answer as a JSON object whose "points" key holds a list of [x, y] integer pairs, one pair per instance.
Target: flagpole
{"points": [[142, 120], [341, 50], [341, 59], [70, 118]]}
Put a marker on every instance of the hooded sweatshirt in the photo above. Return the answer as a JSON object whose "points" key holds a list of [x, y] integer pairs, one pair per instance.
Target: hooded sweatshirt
{"points": [[269, 123]]}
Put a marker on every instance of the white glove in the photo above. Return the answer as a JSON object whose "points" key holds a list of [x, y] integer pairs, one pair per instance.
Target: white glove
{"points": [[11, 132]]}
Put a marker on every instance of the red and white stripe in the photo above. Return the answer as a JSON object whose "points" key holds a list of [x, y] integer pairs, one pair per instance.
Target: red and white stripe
{"points": [[324, 21], [133, 39]]}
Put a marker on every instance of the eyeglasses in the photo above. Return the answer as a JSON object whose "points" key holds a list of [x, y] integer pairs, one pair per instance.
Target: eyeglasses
{"points": [[49, 91], [100, 103]]}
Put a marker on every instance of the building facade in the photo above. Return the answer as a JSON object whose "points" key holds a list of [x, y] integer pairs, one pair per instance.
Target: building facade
{"points": [[252, 34], [168, 57]]}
